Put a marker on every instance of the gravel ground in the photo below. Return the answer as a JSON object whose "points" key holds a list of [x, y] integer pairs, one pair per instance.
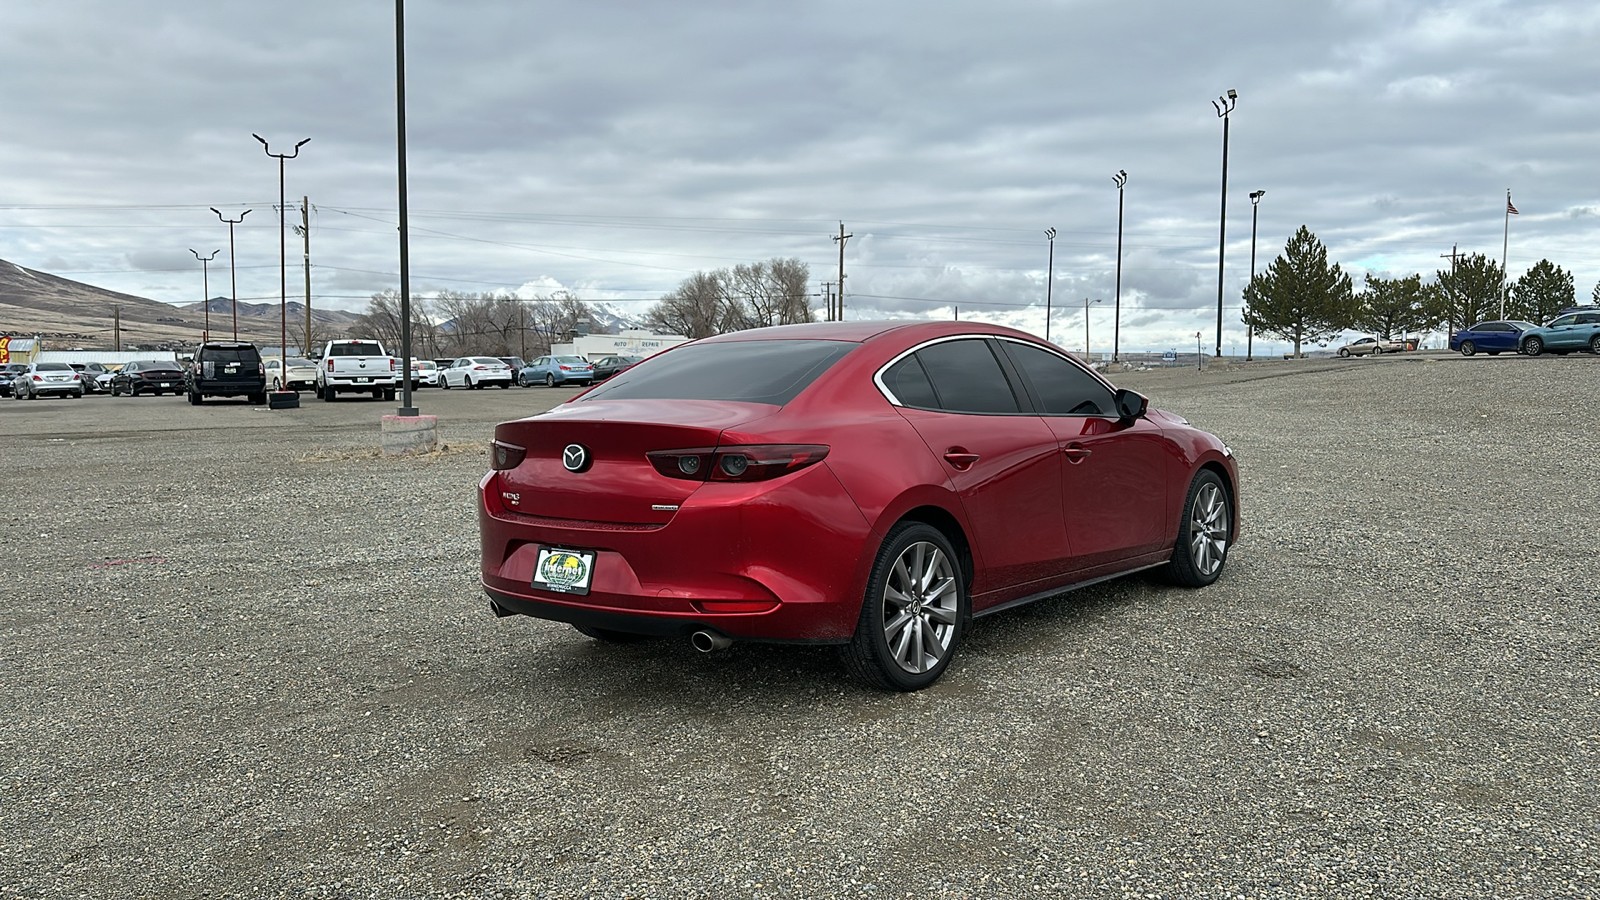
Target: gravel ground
{"points": [[245, 656]]}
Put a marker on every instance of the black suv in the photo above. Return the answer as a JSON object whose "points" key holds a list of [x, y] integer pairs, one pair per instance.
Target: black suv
{"points": [[226, 369]]}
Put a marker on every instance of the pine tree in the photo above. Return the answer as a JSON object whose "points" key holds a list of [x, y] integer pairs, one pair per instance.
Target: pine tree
{"points": [[1299, 297], [1540, 293]]}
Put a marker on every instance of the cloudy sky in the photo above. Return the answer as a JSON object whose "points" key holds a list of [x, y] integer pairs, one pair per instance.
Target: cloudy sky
{"points": [[614, 148]]}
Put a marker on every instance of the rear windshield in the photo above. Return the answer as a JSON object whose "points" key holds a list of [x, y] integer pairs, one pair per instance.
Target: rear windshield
{"points": [[52, 367], [356, 348], [772, 372], [227, 355]]}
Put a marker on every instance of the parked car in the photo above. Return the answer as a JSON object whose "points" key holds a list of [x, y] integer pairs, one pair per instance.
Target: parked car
{"points": [[515, 362], [147, 376], [46, 379], [226, 369], [475, 372], [1371, 346], [302, 374], [1564, 334], [871, 485], [1494, 338], [553, 370], [360, 365], [8, 371], [607, 366], [90, 374], [424, 372]]}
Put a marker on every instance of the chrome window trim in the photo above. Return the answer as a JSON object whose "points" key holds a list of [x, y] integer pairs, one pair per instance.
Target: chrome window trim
{"points": [[877, 377]]}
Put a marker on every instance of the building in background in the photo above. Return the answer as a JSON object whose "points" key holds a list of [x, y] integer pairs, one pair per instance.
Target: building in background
{"points": [[627, 343]]}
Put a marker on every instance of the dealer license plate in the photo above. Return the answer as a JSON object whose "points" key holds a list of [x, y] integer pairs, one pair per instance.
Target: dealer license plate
{"points": [[363, 380], [166, 384], [565, 571]]}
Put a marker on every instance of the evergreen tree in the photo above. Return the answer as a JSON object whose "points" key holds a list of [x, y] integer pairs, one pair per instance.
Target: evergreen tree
{"points": [[1469, 293], [1540, 293], [1299, 297], [1390, 306]]}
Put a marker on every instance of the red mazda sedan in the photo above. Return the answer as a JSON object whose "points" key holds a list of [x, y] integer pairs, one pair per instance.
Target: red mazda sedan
{"points": [[873, 485]]}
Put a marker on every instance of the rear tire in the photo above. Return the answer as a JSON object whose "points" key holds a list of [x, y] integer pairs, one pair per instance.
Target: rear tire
{"points": [[328, 393], [258, 399], [504, 386], [915, 612], [195, 399], [1594, 344], [468, 381], [1204, 533], [549, 381]]}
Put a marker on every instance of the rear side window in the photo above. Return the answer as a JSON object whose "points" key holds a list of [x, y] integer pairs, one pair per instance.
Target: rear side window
{"points": [[772, 372], [967, 377], [909, 384]]}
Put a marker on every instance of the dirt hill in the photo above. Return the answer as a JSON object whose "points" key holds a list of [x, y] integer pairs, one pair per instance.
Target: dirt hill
{"points": [[68, 314]]}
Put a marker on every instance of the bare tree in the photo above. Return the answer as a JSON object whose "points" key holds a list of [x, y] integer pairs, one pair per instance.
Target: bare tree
{"points": [[772, 292]]}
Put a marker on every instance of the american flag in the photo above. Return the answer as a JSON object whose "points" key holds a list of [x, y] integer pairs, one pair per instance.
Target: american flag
{"points": [[1510, 210]]}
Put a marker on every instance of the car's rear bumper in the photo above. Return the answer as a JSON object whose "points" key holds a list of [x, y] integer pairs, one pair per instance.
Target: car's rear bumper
{"points": [[766, 561]]}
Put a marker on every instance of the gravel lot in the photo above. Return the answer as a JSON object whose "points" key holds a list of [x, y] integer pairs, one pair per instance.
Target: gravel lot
{"points": [[245, 656]]}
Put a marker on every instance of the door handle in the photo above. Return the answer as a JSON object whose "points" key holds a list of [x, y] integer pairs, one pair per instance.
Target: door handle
{"points": [[960, 459], [1076, 453]]}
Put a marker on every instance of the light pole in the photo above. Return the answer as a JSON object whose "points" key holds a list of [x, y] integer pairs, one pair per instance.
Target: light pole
{"points": [[283, 250], [233, 268], [205, 285], [1121, 179], [406, 409], [1250, 336], [1223, 105], [1049, 279], [1086, 302]]}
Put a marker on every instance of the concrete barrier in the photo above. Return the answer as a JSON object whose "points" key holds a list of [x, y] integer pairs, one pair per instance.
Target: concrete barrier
{"points": [[406, 435]]}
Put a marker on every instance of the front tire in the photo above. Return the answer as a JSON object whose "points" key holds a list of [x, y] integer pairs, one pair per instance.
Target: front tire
{"points": [[914, 614], [1204, 533], [1343, 353], [1533, 346], [1468, 348]]}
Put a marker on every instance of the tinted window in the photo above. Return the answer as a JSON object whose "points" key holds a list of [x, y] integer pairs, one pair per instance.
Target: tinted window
{"points": [[1563, 320], [1062, 388], [907, 381], [1494, 326], [755, 371], [52, 367], [967, 377], [1588, 318], [225, 355], [356, 348]]}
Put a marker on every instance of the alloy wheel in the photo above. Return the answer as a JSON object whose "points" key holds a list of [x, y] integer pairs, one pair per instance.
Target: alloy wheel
{"points": [[921, 607], [1208, 529]]}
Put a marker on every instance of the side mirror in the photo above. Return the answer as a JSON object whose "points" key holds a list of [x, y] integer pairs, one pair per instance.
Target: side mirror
{"points": [[1130, 405]]}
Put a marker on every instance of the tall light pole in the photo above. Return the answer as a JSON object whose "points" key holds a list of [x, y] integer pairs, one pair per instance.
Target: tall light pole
{"points": [[205, 286], [233, 267], [1223, 105], [283, 264], [1086, 302], [1121, 179], [1250, 336], [406, 409], [1049, 279]]}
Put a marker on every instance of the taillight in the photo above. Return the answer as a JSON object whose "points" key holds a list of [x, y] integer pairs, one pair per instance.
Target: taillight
{"points": [[330, 364], [505, 456], [479, 368], [393, 364], [566, 368], [753, 462]]}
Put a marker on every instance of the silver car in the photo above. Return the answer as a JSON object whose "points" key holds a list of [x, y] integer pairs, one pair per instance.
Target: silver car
{"points": [[42, 379]]}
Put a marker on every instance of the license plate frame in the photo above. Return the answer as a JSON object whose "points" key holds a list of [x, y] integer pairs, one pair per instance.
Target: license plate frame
{"points": [[564, 570]]}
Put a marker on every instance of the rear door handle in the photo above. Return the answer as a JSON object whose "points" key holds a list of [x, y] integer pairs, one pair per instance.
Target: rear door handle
{"points": [[1076, 453], [960, 459]]}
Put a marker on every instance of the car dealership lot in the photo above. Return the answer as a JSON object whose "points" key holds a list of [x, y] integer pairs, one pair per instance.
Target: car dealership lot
{"points": [[229, 687]]}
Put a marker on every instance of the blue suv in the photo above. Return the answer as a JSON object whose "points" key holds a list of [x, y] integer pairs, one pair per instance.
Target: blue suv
{"points": [[1565, 333]]}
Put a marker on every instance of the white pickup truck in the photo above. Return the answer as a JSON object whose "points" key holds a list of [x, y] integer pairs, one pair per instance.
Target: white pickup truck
{"points": [[357, 366]]}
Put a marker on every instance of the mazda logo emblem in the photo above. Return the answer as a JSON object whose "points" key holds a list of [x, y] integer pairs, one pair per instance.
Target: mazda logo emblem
{"points": [[575, 457]]}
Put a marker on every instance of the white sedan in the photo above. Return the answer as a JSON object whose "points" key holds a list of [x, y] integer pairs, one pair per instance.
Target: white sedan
{"points": [[302, 374], [475, 372], [424, 372]]}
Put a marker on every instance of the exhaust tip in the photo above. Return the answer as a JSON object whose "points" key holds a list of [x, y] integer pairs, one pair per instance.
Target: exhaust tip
{"points": [[709, 641]]}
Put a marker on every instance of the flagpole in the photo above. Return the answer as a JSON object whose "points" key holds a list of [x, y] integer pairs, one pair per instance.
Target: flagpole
{"points": [[1505, 241]]}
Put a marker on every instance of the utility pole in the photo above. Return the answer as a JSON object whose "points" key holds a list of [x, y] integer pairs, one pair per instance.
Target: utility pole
{"points": [[841, 238], [305, 231], [116, 325], [1449, 319], [827, 296]]}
